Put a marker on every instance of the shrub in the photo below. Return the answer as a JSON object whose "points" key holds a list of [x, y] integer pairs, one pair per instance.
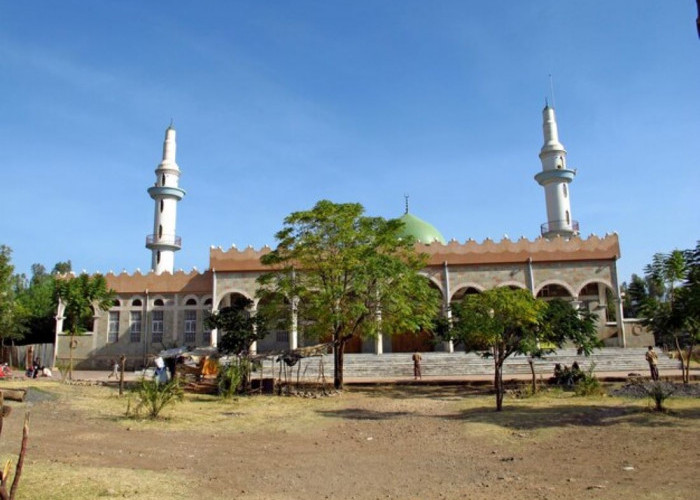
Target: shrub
{"points": [[229, 379], [587, 383], [657, 391], [153, 397]]}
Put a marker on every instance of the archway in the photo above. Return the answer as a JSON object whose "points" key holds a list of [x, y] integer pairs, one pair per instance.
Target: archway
{"points": [[277, 308], [422, 341]]}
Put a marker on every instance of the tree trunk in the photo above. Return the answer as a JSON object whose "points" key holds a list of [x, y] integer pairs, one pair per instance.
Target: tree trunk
{"points": [[531, 362], [338, 350], [70, 356], [499, 386], [122, 365], [14, 394]]}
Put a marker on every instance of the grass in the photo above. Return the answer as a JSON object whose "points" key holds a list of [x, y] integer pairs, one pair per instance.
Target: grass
{"points": [[56, 481]]}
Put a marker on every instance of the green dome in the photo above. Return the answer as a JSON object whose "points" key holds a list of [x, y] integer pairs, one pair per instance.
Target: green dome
{"points": [[421, 231]]}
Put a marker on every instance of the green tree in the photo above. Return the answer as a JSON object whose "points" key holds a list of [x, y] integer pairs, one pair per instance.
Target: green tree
{"points": [[81, 296], [499, 322], [238, 327], [351, 275], [38, 302], [12, 316]]}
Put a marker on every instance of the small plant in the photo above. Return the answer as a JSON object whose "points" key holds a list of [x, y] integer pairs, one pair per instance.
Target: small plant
{"points": [[229, 379], [63, 368], [588, 384], [153, 397], [657, 391]]}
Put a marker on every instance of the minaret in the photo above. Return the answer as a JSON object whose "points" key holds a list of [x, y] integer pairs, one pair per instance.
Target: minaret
{"points": [[555, 177], [163, 243]]}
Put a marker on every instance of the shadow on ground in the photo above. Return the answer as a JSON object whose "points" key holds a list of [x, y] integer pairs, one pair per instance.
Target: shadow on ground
{"points": [[404, 391], [534, 417], [363, 414]]}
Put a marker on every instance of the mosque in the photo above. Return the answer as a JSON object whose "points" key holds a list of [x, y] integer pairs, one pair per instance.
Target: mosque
{"points": [[164, 309]]}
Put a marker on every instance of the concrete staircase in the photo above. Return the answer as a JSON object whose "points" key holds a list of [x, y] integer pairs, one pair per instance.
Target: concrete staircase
{"points": [[459, 364]]}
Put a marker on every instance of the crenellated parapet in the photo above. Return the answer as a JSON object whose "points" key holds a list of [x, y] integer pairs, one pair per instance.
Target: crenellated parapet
{"points": [[508, 251], [234, 259], [165, 282]]}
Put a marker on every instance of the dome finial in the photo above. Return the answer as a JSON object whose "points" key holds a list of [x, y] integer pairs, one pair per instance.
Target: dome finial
{"points": [[406, 202]]}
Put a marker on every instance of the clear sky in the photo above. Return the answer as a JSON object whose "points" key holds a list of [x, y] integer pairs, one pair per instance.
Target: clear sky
{"points": [[278, 104]]}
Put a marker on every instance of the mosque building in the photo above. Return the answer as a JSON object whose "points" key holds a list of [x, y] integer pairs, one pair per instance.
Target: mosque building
{"points": [[164, 309]]}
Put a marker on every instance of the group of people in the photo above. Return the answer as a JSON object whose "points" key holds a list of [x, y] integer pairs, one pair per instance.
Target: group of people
{"points": [[36, 369]]}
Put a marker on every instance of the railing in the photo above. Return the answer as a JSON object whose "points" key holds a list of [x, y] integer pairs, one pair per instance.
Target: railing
{"points": [[164, 239], [559, 226]]}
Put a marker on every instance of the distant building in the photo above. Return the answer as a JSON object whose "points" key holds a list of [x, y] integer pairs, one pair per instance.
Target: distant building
{"points": [[163, 308]]}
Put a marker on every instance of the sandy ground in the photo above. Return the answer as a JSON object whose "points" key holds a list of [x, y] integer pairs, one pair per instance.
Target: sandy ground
{"points": [[391, 442]]}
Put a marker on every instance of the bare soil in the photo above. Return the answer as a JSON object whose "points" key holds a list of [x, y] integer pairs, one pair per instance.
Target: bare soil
{"points": [[396, 442]]}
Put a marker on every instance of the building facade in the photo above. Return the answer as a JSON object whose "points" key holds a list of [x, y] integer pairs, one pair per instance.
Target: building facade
{"points": [[164, 309]]}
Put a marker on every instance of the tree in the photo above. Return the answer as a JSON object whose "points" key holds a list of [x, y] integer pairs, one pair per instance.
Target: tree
{"points": [[38, 302], [81, 296], [688, 310], [499, 322], [239, 328], [12, 324], [350, 275]]}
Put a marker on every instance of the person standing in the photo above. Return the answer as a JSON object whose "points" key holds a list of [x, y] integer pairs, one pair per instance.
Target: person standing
{"points": [[115, 370], [653, 361], [417, 358]]}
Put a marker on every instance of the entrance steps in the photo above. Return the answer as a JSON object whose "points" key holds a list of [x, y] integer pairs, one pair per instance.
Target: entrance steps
{"points": [[441, 364]]}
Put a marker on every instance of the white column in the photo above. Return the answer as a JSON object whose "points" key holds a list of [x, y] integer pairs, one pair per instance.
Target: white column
{"points": [[449, 346], [294, 327]]}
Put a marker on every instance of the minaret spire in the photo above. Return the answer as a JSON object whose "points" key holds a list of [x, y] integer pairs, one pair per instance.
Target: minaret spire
{"points": [[163, 243], [406, 202], [555, 177]]}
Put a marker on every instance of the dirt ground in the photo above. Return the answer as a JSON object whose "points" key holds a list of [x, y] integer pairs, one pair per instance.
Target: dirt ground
{"points": [[396, 442]]}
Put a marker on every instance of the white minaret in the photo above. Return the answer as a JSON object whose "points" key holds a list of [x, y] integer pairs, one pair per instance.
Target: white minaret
{"points": [[555, 178], [163, 243]]}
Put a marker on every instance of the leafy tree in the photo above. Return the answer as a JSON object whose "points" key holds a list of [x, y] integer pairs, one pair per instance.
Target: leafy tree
{"points": [[669, 297], [351, 276], [499, 322], [38, 302], [238, 327], [82, 295], [12, 324]]}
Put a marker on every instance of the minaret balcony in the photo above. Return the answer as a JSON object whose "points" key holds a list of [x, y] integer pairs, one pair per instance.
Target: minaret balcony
{"points": [[556, 175], [163, 242], [158, 192], [559, 228]]}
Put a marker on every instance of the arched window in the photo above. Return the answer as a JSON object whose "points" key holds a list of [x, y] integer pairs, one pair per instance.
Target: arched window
{"points": [[162, 180], [566, 191], [160, 231], [158, 257], [191, 302], [116, 303], [158, 303], [207, 302], [136, 303], [568, 217], [161, 206]]}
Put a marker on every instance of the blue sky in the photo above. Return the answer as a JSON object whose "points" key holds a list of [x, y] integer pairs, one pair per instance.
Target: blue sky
{"points": [[280, 104]]}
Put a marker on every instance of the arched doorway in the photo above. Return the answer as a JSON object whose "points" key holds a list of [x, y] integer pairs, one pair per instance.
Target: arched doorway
{"points": [[422, 341]]}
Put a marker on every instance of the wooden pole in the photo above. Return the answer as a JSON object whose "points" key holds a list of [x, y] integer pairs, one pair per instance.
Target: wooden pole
{"points": [[122, 366]]}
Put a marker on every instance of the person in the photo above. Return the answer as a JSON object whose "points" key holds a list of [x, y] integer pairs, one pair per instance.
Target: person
{"points": [[37, 367], [416, 365], [653, 361], [115, 369]]}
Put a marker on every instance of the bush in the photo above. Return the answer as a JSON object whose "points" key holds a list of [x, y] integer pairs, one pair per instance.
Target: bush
{"points": [[230, 379], [587, 384], [657, 391], [153, 397]]}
